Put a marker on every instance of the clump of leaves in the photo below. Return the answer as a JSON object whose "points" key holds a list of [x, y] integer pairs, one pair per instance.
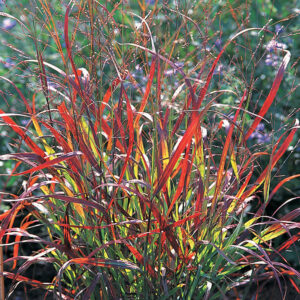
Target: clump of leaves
{"points": [[140, 195]]}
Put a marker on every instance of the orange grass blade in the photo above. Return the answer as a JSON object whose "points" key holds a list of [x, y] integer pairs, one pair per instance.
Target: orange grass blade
{"points": [[18, 238], [282, 182], [195, 119], [180, 185], [31, 144], [108, 94], [224, 153]]}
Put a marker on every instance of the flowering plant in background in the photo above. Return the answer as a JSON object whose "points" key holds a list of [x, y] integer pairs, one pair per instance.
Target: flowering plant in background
{"points": [[141, 198], [259, 134], [8, 24]]}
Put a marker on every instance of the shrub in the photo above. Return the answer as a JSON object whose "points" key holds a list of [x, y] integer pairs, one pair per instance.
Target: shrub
{"points": [[144, 183]]}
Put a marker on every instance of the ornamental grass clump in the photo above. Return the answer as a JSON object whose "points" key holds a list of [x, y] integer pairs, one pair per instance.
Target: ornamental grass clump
{"points": [[146, 185]]}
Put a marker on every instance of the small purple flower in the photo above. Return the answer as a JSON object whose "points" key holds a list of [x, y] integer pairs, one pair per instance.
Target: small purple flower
{"points": [[219, 70], [263, 138], [24, 122], [268, 62], [169, 72], [272, 60], [8, 24], [260, 127], [259, 135], [173, 71], [218, 44], [273, 45], [9, 63], [179, 65], [278, 28]]}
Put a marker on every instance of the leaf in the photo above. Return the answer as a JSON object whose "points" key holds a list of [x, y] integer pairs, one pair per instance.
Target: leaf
{"points": [[50, 163], [271, 95], [275, 159], [282, 182], [32, 145], [224, 153], [147, 92], [18, 238], [140, 259]]}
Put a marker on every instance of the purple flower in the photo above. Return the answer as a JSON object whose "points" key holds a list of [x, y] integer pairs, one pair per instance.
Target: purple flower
{"points": [[8, 24], [219, 70], [263, 138], [218, 44], [273, 45], [169, 72], [259, 135], [260, 127], [9, 63], [272, 60], [24, 122], [278, 28], [172, 71], [179, 65], [268, 62]]}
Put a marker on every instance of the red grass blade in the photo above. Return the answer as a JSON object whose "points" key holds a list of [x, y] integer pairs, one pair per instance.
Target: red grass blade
{"points": [[29, 110], [140, 259], [181, 180], [271, 95], [292, 240], [74, 163], [69, 199], [275, 159], [32, 282], [195, 119], [147, 92], [66, 230], [68, 48], [131, 134], [50, 163]]}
